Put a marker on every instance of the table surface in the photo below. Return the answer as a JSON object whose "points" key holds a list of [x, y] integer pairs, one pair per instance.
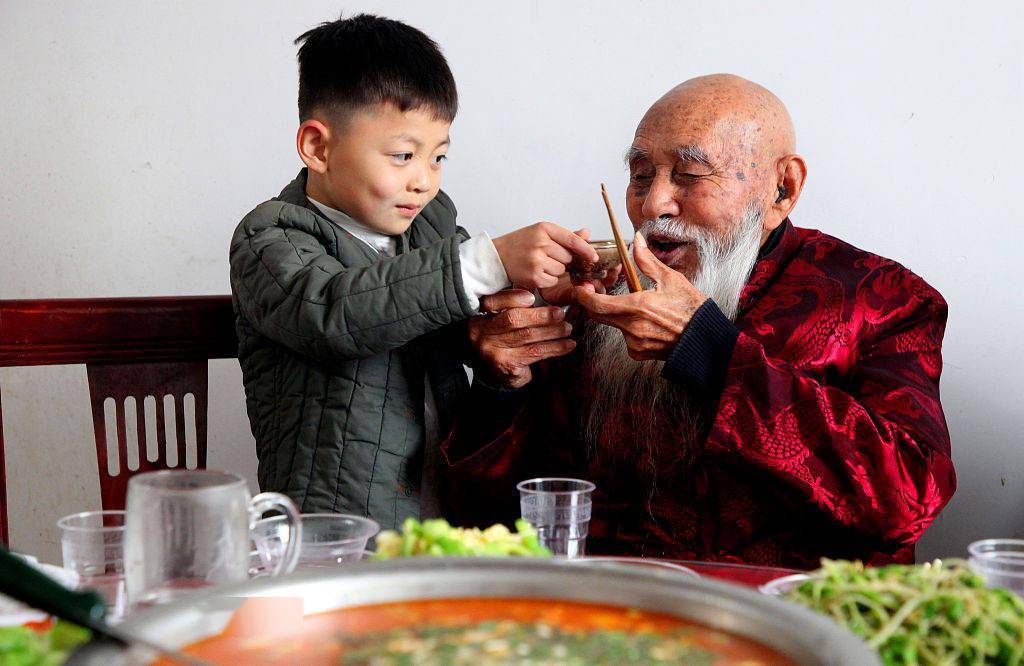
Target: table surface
{"points": [[744, 574], [751, 575]]}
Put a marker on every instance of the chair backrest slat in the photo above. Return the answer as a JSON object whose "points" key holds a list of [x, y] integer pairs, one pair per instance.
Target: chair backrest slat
{"points": [[3, 481], [161, 434], [132, 384]]}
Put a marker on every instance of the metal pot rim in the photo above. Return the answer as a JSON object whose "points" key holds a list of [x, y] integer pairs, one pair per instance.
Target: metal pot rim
{"points": [[804, 636]]}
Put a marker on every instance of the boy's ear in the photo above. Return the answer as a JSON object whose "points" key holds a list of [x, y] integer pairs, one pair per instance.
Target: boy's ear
{"points": [[311, 142]]}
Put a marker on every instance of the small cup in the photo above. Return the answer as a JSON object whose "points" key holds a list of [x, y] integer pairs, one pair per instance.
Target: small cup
{"points": [[92, 543], [559, 509], [328, 539], [1000, 562], [581, 270]]}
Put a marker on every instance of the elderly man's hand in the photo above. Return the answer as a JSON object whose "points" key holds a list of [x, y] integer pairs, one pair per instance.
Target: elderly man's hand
{"points": [[651, 321], [514, 336]]}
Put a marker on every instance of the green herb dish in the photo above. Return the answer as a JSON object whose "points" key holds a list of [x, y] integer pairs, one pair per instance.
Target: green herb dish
{"points": [[438, 538], [21, 646], [937, 613]]}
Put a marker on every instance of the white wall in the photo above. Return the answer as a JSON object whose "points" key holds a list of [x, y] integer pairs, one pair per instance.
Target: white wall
{"points": [[133, 136]]}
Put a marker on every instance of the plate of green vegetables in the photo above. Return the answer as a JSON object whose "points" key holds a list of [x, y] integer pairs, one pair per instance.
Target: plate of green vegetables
{"points": [[437, 538], [935, 613], [25, 646]]}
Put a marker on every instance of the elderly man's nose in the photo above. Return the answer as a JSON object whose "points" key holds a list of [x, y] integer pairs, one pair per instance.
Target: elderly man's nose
{"points": [[660, 202]]}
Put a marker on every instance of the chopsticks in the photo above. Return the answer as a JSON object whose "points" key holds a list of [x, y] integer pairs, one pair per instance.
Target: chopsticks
{"points": [[632, 279], [23, 582]]}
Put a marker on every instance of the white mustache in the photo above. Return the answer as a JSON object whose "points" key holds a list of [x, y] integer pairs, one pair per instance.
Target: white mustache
{"points": [[673, 229]]}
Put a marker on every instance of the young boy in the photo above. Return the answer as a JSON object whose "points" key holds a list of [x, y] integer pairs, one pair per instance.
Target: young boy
{"points": [[349, 288]]}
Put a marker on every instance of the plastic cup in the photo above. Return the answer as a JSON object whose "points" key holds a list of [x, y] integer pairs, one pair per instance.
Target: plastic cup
{"points": [[92, 543], [1000, 562], [328, 539], [559, 509]]}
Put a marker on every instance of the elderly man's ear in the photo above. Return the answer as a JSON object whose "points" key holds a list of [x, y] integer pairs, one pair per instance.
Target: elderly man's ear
{"points": [[791, 172]]}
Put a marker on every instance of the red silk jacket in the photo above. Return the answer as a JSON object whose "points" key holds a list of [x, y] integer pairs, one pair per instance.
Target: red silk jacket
{"points": [[828, 438]]}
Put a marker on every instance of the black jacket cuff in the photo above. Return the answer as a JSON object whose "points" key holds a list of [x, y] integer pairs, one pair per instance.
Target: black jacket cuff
{"points": [[490, 409], [702, 354]]}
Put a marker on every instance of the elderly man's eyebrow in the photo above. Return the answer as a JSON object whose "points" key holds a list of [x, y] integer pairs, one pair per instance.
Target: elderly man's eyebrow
{"points": [[694, 153], [633, 154]]}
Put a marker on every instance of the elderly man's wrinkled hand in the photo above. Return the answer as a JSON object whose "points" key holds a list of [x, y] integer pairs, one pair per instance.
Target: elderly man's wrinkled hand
{"points": [[513, 335], [651, 321]]}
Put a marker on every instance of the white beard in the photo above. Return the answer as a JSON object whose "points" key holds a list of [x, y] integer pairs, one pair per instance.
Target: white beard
{"points": [[620, 381], [672, 414]]}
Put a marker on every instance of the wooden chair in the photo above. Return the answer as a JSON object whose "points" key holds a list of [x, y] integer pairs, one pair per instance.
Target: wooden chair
{"points": [[146, 361]]}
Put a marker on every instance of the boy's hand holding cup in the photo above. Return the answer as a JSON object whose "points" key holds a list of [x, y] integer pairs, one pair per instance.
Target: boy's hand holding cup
{"points": [[564, 292], [536, 256]]}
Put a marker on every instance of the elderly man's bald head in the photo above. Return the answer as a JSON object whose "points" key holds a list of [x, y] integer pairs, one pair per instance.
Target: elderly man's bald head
{"points": [[711, 149], [737, 108]]}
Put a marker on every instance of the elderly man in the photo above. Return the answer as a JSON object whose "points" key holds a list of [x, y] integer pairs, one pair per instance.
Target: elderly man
{"points": [[771, 397]]}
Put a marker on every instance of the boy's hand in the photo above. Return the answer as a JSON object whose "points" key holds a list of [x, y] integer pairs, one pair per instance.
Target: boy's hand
{"points": [[535, 256]]}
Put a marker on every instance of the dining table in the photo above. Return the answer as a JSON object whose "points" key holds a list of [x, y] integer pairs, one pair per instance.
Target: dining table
{"points": [[750, 575]]}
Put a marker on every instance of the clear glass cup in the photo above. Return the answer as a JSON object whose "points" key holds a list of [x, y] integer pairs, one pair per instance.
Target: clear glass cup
{"points": [[581, 270], [328, 539], [1000, 562], [191, 529], [92, 544], [559, 509]]}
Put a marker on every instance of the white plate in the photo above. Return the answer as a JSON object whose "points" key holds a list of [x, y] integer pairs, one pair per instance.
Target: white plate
{"points": [[14, 613]]}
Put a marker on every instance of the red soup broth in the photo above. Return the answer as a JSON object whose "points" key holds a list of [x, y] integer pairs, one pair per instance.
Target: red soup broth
{"points": [[282, 636]]}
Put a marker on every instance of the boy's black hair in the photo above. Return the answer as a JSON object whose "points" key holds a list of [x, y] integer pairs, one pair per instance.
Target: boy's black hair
{"points": [[366, 60]]}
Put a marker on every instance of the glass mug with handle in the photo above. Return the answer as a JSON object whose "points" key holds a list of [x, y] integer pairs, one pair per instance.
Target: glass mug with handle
{"points": [[188, 529]]}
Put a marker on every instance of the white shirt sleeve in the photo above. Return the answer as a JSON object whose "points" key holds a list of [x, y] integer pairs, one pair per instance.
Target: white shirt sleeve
{"points": [[482, 271]]}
